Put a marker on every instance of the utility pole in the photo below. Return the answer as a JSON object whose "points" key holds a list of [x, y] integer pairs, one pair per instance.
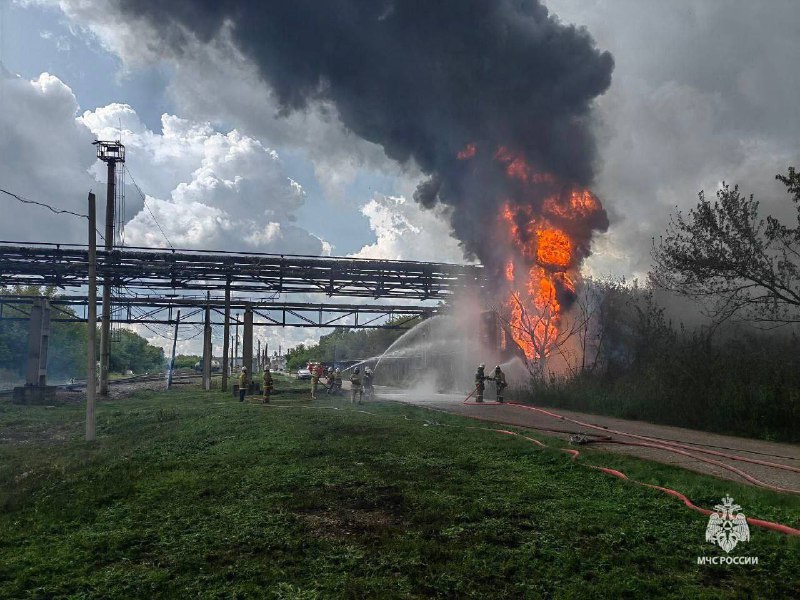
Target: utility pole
{"points": [[110, 153], [259, 361], [174, 344], [247, 339], [91, 361], [207, 346], [226, 336], [236, 351]]}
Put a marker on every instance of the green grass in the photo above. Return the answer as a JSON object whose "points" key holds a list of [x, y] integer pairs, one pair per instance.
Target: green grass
{"points": [[192, 494]]}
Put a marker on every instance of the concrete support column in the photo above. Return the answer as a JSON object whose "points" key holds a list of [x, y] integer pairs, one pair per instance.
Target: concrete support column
{"points": [[38, 339], [207, 350], [247, 340], [226, 336]]}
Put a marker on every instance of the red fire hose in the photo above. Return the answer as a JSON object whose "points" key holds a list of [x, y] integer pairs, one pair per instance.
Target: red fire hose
{"points": [[682, 449], [574, 453]]}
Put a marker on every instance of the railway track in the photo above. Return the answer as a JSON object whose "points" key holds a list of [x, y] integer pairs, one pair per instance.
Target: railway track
{"points": [[79, 384]]}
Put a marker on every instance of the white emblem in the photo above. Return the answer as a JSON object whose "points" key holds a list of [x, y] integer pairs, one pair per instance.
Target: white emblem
{"points": [[726, 528]]}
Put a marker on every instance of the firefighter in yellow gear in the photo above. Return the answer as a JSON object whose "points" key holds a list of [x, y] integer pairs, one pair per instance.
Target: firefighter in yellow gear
{"points": [[267, 385], [499, 382], [316, 373], [243, 381], [355, 386], [480, 384]]}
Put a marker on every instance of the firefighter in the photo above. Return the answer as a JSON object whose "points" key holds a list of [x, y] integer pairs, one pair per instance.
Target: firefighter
{"points": [[369, 389], [480, 384], [330, 380], [243, 381], [499, 382], [337, 381], [355, 386], [267, 385], [316, 373]]}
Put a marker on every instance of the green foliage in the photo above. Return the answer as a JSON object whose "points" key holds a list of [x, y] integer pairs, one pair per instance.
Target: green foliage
{"points": [[729, 379], [345, 344], [186, 361], [130, 351], [191, 494], [66, 356]]}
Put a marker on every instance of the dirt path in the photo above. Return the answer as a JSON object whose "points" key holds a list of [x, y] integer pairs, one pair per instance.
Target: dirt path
{"points": [[785, 454]]}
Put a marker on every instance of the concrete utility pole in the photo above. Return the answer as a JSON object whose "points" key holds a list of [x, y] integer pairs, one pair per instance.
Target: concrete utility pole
{"points": [[247, 340], [207, 347], [36, 390], [259, 362], [91, 361], [226, 336], [174, 345], [236, 351], [38, 338], [110, 153]]}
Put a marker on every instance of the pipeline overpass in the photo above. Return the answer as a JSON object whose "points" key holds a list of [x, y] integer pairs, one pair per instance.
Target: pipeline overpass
{"points": [[264, 275], [153, 285]]}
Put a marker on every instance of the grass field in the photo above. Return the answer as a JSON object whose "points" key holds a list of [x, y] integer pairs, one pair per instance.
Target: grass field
{"points": [[189, 494]]}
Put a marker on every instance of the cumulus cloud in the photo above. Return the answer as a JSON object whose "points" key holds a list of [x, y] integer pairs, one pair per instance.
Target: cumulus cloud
{"points": [[405, 231], [206, 189], [46, 156]]}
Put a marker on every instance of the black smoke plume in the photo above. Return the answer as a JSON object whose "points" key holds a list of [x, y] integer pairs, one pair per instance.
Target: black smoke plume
{"points": [[423, 79]]}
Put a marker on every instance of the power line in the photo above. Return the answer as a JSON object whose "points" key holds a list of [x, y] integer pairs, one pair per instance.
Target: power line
{"points": [[144, 200], [53, 209]]}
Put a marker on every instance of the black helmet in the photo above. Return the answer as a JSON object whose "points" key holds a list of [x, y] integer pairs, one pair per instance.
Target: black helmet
{"points": [[497, 368], [355, 370]]}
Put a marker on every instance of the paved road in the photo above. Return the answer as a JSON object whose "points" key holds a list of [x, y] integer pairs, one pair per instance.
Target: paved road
{"points": [[786, 454]]}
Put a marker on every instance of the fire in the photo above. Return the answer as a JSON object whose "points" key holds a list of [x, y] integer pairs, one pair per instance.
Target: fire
{"points": [[554, 248], [468, 152], [542, 266], [510, 270], [573, 205]]}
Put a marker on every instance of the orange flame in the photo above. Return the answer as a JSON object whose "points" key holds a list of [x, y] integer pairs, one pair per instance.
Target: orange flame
{"points": [[468, 152], [547, 251]]}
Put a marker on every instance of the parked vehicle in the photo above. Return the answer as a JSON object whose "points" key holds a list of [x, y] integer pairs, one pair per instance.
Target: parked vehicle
{"points": [[303, 374]]}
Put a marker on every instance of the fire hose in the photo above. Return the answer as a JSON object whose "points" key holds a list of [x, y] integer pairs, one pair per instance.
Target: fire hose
{"points": [[678, 448], [778, 527]]}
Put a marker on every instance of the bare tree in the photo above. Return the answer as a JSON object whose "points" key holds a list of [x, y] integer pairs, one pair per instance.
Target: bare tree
{"points": [[737, 263], [544, 330]]}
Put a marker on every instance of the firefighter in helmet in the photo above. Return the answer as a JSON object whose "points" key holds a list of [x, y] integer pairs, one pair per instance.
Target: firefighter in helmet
{"points": [[337, 382], [243, 383], [480, 384], [499, 382], [369, 388], [355, 386], [267, 385], [316, 374]]}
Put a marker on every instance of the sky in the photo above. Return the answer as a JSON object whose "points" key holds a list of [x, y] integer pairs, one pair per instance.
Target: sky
{"points": [[701, 92]]}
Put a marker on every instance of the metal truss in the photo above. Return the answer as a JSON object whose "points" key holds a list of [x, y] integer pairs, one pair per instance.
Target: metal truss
{"points": [[267, 275], [163, 311]]}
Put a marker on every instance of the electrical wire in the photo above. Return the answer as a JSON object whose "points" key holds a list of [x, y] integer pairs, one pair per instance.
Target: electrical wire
{"points": [[144, 200], [53, 209]]}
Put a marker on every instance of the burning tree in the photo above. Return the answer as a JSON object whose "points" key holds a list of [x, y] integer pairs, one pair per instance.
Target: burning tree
{"points": [[737, 263], [541, 236]]}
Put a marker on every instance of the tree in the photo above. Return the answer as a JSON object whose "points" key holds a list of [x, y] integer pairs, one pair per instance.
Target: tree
{"points": [[67, 352], [739, 264]]}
